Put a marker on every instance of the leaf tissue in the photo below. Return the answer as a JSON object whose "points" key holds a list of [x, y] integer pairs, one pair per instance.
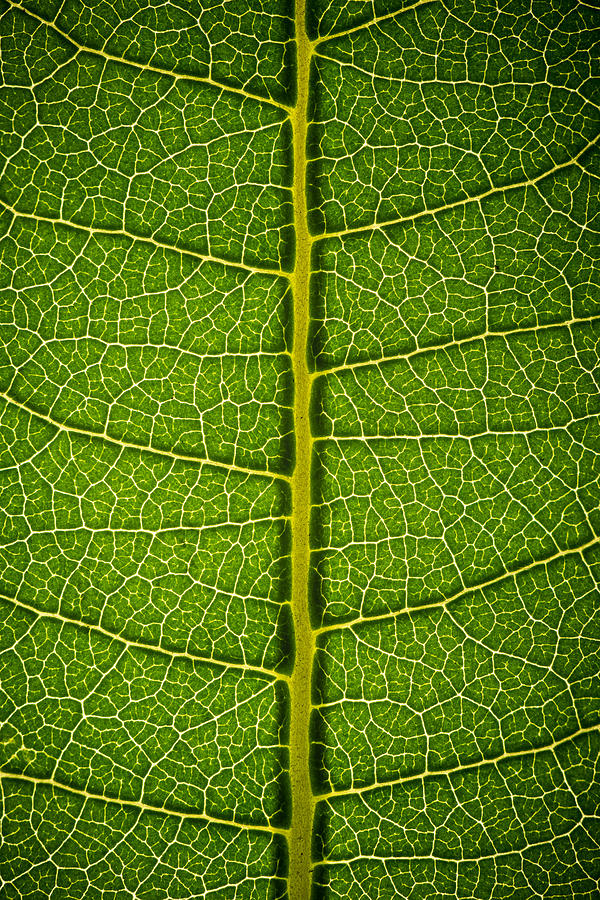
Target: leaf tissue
{"points": [[299, 402]]}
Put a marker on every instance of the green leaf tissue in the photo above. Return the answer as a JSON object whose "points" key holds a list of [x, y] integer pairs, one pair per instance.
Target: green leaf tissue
{"points": [[299, 449]]}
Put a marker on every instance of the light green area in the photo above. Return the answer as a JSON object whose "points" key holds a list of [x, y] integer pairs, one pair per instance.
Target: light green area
{"points": [[303, 805], [299, 546]]}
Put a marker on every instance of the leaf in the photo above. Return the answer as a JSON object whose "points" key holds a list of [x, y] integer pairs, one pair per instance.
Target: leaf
{"points": [[299, 563]]}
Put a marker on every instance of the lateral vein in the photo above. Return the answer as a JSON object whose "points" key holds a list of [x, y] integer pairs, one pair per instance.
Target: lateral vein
{"points": [[370, 23], [139, 804], [408, 610], [436, 348], [433, 773], [177, 76], [142, 645], [500, 189], [128, 445], [115, 232]]}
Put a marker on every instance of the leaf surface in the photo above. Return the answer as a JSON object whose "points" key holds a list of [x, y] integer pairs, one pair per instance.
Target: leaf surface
{"points": [[299, 563]]}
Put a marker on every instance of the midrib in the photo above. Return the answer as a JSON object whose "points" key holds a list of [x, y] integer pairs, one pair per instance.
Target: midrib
{"points": [[302, 799]]}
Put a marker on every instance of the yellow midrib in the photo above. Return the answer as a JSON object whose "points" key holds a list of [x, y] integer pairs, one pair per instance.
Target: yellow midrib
{"points": [[300, 684]]}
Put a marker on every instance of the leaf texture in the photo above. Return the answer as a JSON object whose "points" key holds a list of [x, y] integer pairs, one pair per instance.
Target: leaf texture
{"points": [[299, 480]]}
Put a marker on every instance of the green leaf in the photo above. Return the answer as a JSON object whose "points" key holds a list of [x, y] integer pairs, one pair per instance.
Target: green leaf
{"points": [[299, 405]]}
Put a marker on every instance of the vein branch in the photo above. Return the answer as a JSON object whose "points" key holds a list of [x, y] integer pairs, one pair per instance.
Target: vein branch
{"points": [[471, 589], [461, 342], [440, 773], [139, 804], [147, 67], [128, 445], [455, 204], [143, 645], [370, 23], [121, 233]]}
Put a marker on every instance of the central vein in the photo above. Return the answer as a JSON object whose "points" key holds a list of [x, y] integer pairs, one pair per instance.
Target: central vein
{"points": [[302, 799]]}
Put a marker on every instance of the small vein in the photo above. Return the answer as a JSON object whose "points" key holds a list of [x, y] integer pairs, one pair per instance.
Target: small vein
{"points": [[499, 855], [139, 804], [459, 82], [446, 435], [435, 348], [116, 232], [435, 773], [436, 604], [464, 201], [142, 645], [146, 67], [128, 445], [156, 532]]}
